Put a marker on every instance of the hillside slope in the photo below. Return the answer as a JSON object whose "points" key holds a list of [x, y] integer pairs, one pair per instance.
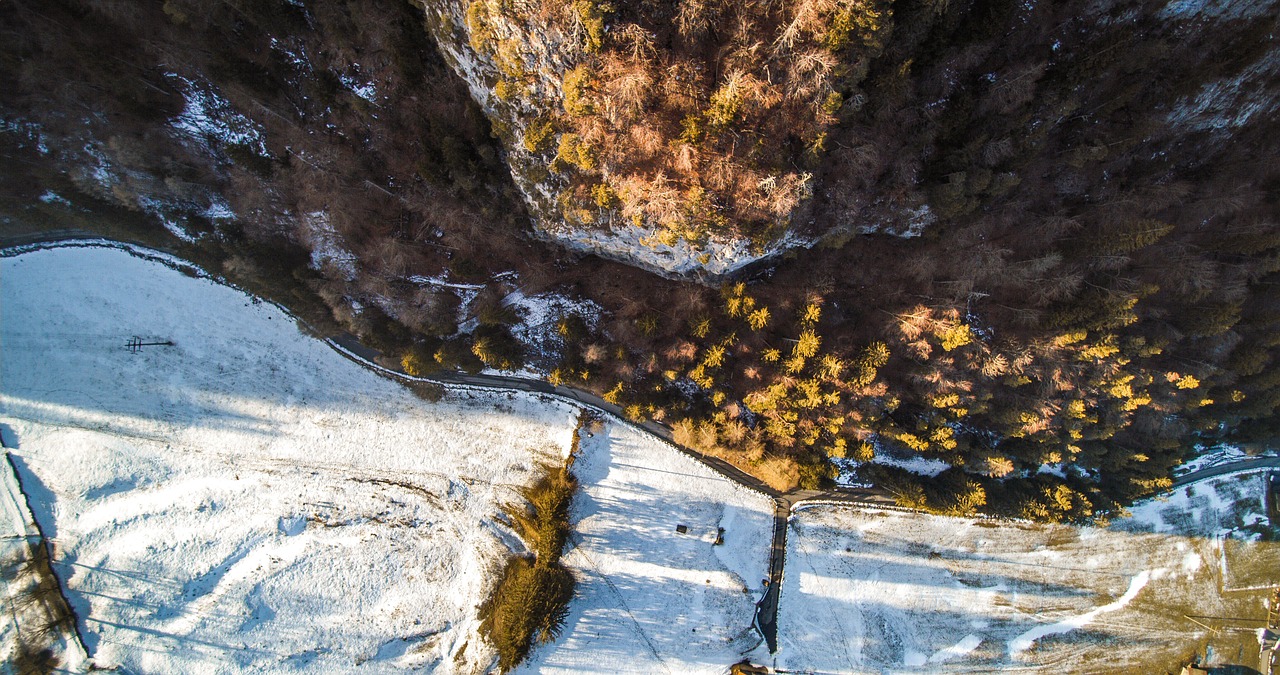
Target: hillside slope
{"points": [[1081, 295]]}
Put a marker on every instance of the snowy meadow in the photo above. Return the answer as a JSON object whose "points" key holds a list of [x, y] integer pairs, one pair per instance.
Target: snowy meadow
{"points": [[653, 598], [246, 498], [235, 495], [870, 591], [241, 497]]}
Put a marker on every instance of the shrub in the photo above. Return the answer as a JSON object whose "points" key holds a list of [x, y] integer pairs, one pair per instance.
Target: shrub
{"points": [[576, 152], [420, 360], [591, 14], [455, 354], [495, 346], [537, 134], [532, 599], [726, 103], [578, 84], [530, 605], [604, 196], [547, 527]]}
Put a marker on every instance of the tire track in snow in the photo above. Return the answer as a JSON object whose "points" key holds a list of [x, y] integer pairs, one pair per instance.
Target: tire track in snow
{"points": [[1024, 641]]}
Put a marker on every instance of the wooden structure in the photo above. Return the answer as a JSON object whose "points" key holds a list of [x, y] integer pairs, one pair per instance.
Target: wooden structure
{"points": [[135, 344], [1269, 639]]}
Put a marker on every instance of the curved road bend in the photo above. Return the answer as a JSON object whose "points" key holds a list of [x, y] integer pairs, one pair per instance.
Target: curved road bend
{"points": [[1224, 469], [767, 608]]}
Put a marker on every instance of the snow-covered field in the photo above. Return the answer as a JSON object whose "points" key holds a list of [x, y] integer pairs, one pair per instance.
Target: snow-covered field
{"points": [[247, 499], [651, 599], [882, 591]]}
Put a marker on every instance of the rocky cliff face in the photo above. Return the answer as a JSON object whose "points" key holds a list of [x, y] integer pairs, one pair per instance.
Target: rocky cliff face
{"points": [[1093, 185], [680, 138], [687, 138], [694, 138]]}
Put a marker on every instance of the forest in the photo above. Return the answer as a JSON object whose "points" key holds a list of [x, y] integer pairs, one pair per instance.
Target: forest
{"points": [[1038, 242]]}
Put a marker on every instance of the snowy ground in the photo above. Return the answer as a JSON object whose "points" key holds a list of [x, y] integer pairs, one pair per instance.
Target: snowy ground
{"points": [[247, 499], [1217, 456], [651, 600], [884, 591]]}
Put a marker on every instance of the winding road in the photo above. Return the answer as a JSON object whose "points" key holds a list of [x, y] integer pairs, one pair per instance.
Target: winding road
{"points": [[767, 608], [784, 502]]}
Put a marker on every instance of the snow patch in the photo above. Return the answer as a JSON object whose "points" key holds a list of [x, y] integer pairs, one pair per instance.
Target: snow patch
{"points": [[176, 230], [51, 197], [365, 90], [1217, 10], [219, 209], [326, 246], [965, 646], [1214, 507], [29, 134], [1058, 470], [1231, 102], [924, 466], [1024, 641], [296, 60], [292, 526], [211, 118], [917, 221], [537, 329], [1190, 564]]}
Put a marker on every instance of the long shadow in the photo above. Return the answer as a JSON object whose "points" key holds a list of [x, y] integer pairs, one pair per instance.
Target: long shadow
{"points": [[186, 641], [69, 364], [913, 565], [624, 618], [886, 639], [40, 497], [8, 437], [650, 596]]}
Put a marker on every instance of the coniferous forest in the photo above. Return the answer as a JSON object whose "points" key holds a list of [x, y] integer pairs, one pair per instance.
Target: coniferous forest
{"points": [[1036, 242]]}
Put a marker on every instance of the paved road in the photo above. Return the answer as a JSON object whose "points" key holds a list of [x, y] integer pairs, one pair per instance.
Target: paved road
{"points": [[348, 345], [1233, 467], [767, 609]]}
